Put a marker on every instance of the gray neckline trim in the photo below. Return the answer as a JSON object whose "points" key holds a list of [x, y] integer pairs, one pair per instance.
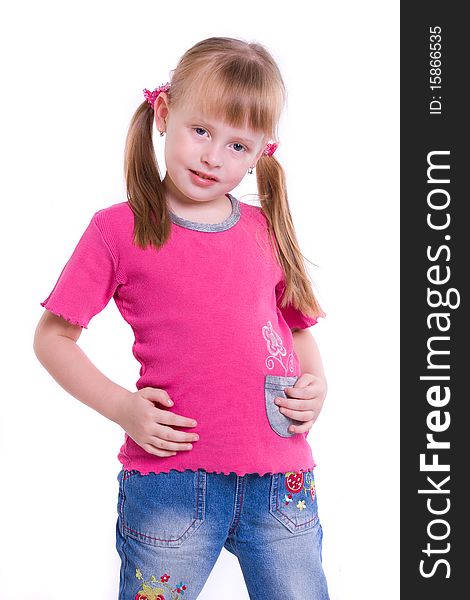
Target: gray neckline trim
{"points": [[229, 221]]}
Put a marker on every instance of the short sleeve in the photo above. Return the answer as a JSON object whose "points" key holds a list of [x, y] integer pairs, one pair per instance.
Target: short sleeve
{"points": [[87, 281], [294, 318]]}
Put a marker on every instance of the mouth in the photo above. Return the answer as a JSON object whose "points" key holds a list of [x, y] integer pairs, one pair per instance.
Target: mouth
{"points": [[204, 175]]}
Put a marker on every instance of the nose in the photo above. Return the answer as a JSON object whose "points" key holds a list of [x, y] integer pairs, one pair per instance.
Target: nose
{"points": [[212, 156]]}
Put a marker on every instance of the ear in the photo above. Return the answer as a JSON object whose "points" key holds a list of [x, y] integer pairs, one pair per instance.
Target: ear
{"points": [[161, 110], [260, 153]]}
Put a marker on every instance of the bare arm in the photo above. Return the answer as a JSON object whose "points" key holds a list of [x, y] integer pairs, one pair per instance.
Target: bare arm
{"points": [[305, 400], [56, 349], [55, 345], [309, 355]]}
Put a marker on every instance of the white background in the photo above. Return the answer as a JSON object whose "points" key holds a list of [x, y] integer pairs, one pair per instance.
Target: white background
{"points": [[72, 76]]}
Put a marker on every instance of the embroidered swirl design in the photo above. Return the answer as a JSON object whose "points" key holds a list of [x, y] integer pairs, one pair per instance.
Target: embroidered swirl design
{"points": [[276, 349]]}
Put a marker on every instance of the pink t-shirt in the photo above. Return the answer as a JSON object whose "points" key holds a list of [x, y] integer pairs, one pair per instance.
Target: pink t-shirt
{"points": [[204, 310]]}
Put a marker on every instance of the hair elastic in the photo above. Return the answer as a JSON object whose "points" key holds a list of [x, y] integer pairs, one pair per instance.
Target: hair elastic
{"points": [[152, 96]]}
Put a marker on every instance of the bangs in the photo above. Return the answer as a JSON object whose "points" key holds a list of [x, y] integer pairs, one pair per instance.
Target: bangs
{"points": [[237, 95]]}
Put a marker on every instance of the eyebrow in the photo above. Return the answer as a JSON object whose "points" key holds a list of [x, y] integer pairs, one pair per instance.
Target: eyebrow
{"points": [[203, 120]]}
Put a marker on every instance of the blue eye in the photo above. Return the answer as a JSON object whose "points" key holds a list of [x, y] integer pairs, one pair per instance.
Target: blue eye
{"points": [[198, 129]]}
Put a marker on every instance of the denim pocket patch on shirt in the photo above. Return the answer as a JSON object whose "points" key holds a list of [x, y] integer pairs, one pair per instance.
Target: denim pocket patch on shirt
{"points": [[274, 388], [161, 509], [293, 500]]}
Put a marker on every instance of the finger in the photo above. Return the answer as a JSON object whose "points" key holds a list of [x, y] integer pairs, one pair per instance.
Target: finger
{"points": [[305, 379], [301, 392], [168, 445], [302, 428], [173, 435], [157, 451], [298, 415], [169, 418], [306, 404], [156, 395]]}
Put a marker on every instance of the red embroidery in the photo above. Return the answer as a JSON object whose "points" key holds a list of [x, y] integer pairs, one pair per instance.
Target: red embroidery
{"points": [[312, 490], [297, 482], [294, 482]]}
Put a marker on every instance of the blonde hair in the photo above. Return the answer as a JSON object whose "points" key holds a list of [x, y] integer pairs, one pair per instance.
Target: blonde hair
{"points": [[240, 83]]}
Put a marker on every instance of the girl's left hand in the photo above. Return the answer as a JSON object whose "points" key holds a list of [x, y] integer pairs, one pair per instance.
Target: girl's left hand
{"points": [[304, 401]]}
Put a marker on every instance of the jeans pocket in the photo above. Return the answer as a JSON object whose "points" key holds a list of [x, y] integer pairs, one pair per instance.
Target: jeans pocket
{"points": [[274, 388], [161, 509], [293, 500]]}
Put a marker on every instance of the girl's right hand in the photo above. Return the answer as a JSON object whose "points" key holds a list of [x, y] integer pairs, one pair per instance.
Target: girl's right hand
{"points": [[150, 427]]}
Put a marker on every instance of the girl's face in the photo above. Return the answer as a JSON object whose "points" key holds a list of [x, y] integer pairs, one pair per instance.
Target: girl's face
{"points": [[195, 143]]}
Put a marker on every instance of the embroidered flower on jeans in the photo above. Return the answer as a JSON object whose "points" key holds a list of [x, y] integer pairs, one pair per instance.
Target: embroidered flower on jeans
{"points": [[298, 482], [148, 595], [180, 588], [310, 484], [312, 491], [294, 481], [154, 589]]}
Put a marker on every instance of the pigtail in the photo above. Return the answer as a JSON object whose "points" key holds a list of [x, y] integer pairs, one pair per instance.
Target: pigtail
{"points": [[145, 191], [274, 203]]}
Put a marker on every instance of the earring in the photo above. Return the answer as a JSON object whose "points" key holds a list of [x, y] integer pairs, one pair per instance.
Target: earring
{"points": [[250, 170], [162, 133]]}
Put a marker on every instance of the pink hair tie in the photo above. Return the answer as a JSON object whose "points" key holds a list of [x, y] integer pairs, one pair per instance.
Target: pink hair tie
{"points": [[152, 96], [270, 149]]}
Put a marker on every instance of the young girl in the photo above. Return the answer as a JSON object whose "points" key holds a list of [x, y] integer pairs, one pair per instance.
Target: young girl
{"points": [[216, 292]]}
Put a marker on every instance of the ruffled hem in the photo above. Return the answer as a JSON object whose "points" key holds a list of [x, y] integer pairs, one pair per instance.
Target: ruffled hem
{"points": [[59, 314], [129, 467], [314, 320]]}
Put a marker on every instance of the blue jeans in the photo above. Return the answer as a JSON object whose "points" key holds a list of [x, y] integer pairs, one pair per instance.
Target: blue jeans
{"points": [[171, 528]]}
